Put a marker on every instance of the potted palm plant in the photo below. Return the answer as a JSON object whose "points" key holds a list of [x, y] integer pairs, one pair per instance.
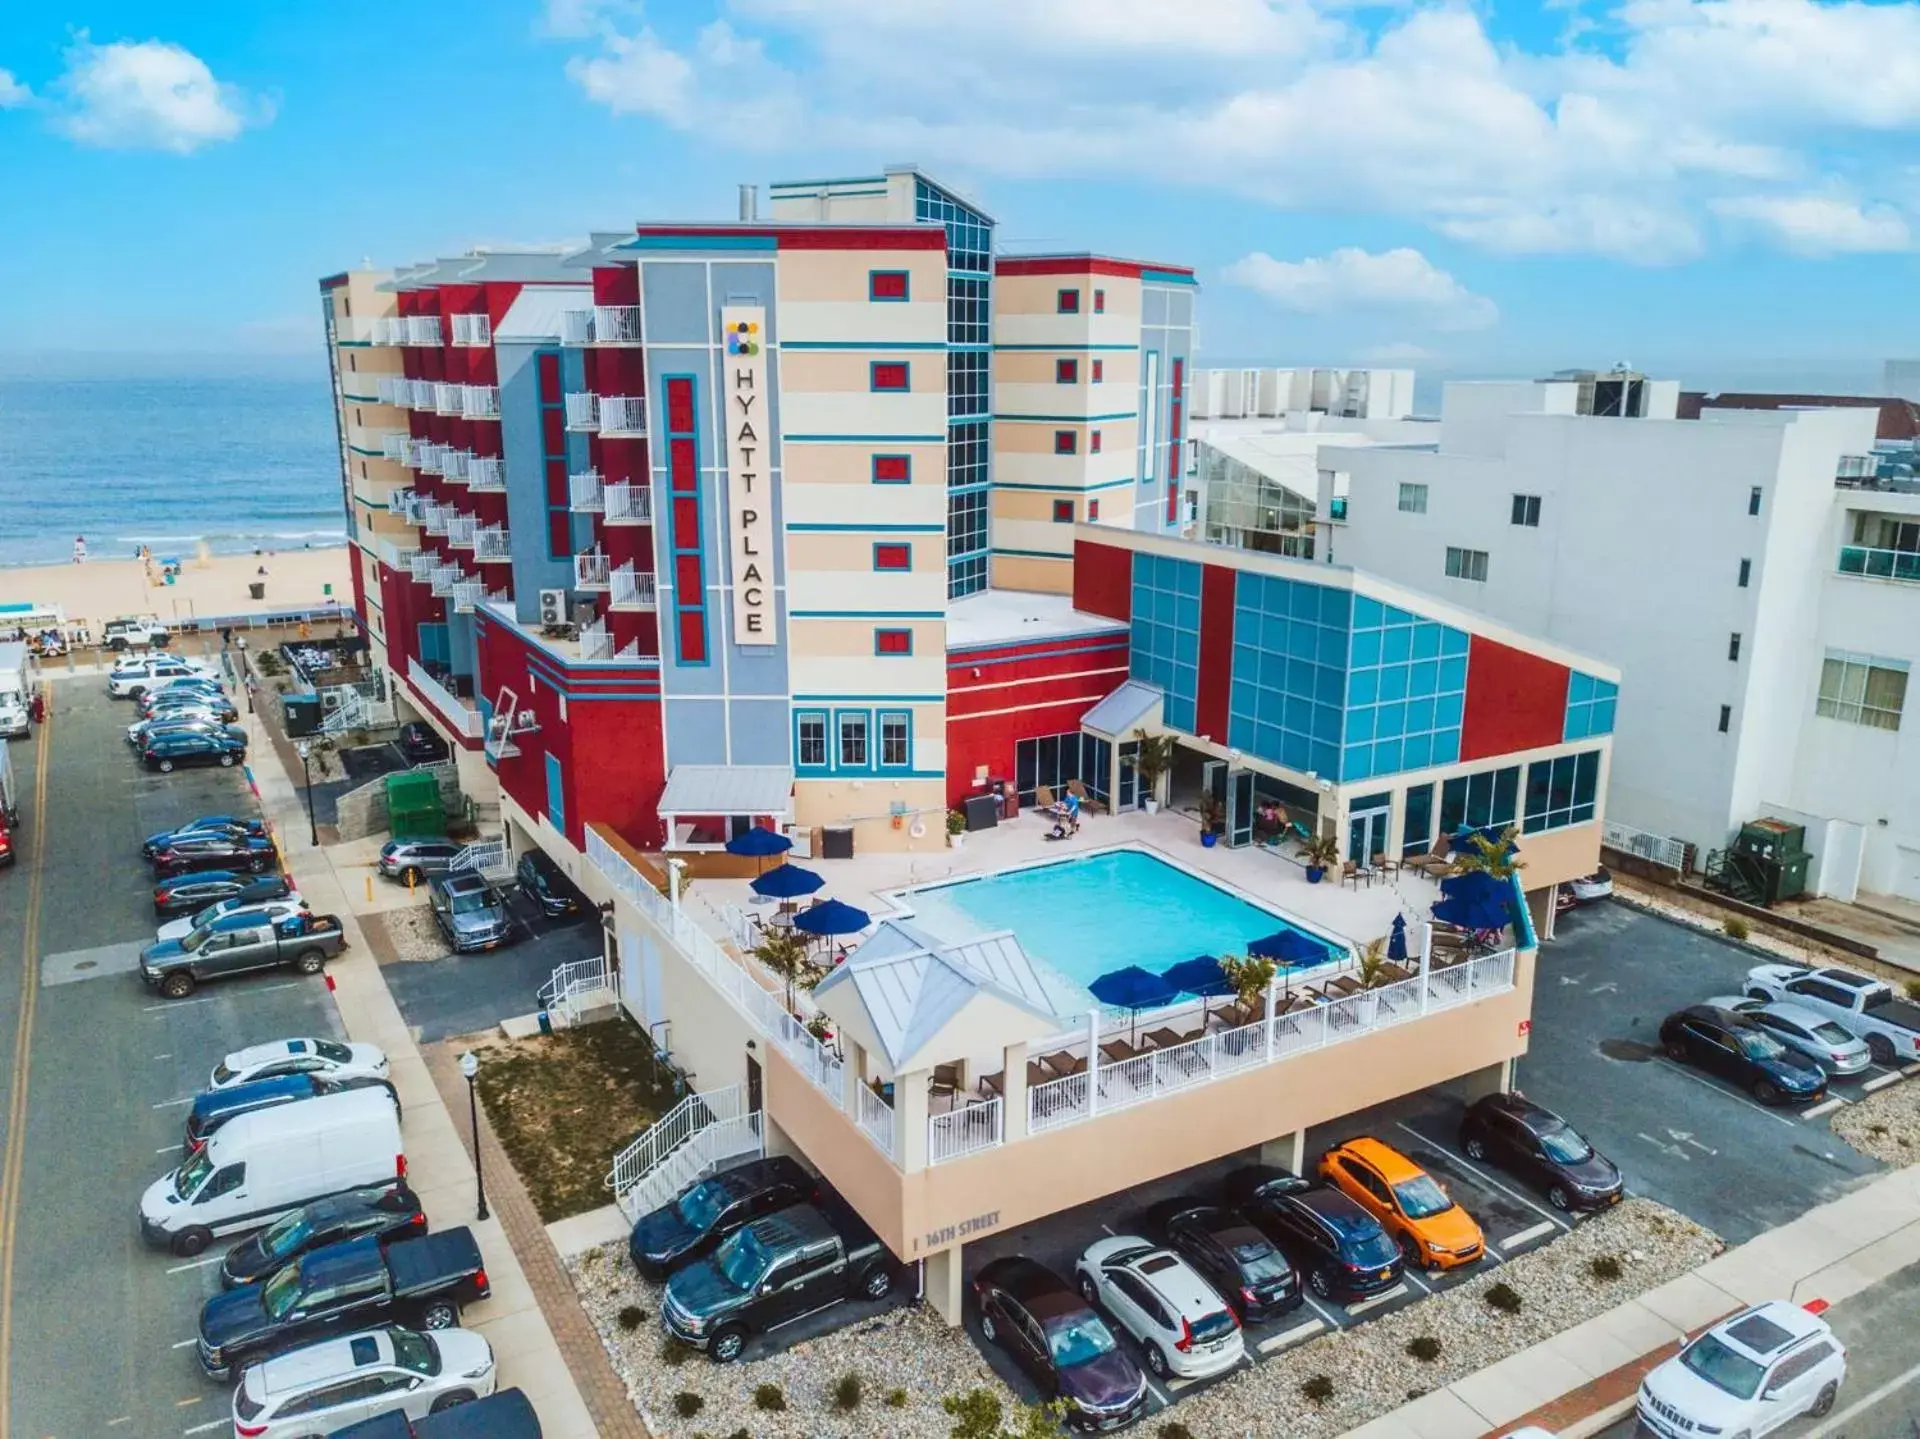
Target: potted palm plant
{"points": [[1250, 975], [1152, 759], [1321, 853], [1212, 814]]}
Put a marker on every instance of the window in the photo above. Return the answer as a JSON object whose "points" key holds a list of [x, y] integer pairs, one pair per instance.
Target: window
{"points": [[896, 731], [968, 383], [556, 794], [1733, 646], [1466, 564], [1413, 499], [1066, 442], [1862, 689], [1066, 372], [967, 319], [1056, 761], [1726, 717], [1063, 512], [810, 731], [1417, 828], [1067, 302], [853, 741], [893, 555], [1753, 501], [1526, 511], [1746, 572], [1099, 302], [892, 469], [1489, 798], [887, 285], [1560, 792], [887, 375], [1093, 442], [1093, 510], [1099, 370], [893, 642]]}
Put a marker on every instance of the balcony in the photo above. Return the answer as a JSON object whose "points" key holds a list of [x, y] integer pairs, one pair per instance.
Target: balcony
{"points": [[586, 492], [602, 325], [466, 594], [445, 577], [1872, 564], [629, 504], [622, 415], [460, 531], [448, 399], [395, 390], [397, 557], [436, 518], [486, 474], [421, 564], [583, 412], [459, 716], [592, 571], [632, 589], [388, 330], [399, 502], [596, 642], [453, 463], [492, 544], [576, 327], [472, 331], [423, 330], [428, 457], [481, 402], [394, 447]]}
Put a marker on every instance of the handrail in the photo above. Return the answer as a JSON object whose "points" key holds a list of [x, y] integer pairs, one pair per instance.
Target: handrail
{"points": [[964, 1131]]}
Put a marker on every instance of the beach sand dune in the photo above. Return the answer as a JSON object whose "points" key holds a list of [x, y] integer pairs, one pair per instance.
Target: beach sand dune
{"points": [[100, 590]]}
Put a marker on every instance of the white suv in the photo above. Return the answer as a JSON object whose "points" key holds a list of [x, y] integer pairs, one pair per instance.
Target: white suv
{"points": [[1184, 1326], [134, 633], [1747, 1375], [129, 679], [323, 1387]]}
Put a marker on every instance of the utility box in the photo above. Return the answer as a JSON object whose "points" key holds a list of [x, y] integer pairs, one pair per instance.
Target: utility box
{"points": [[413, 804], [302, 714]]}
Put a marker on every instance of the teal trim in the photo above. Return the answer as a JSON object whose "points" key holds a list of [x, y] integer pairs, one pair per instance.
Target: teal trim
{"points": [[856, 527], [701, 242], [863, 344], [1166, 277], [370, 454], [905, 277], [1035, 554], [879, 736], [1065, 348], [354, 344], [866, 614], [802, 186], [1068, 489], [939, 439], [871, 699], [1069, 419]]}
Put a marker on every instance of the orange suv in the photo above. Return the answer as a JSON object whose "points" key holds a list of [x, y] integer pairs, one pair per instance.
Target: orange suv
{"points": [[1433, 1231]]}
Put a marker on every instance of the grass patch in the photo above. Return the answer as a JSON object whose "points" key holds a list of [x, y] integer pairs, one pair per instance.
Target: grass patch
{"points": [[847, 1392], [769, 1397], [1173, 1429], [565, 1104], [631, 1318], [1735, 927], [1504, 1297], [687, 1404], [1424, 1347], [1604, 1266], [896, 1399], [674, 1353], [1319, 1389]]}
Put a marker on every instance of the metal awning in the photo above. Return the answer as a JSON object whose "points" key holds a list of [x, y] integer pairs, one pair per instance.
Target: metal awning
{"points": [[1118, 715], [727, 789]]}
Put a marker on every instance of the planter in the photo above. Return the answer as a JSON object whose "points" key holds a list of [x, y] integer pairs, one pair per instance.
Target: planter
{"points": [[1151, 806], [956, 841], [1315, 874], [1208, 839]]}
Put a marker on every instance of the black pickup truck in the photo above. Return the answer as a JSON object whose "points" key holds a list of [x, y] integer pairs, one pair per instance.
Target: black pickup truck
{"points": [[772, 1272], [354, 1285]]}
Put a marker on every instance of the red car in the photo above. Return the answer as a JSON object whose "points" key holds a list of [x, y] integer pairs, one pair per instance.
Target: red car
{"points": [[7, 855]]}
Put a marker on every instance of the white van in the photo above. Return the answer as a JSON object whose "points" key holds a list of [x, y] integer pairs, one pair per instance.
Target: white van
{"points": [[258, 1166]]}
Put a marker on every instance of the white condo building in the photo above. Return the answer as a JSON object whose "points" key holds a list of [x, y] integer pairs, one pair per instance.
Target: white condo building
{"points": [[1754, 575]]}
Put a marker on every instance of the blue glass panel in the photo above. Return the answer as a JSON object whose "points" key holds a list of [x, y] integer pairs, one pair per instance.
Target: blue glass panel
{"points": [[1303, 601], [1273, 671], [1446, 747], [1366, 648], [1330, 685], [1392, 722], [1187, 613], [1186, 646], [1271, 739], [1294, 751], [1419, 716], [1423, 677], [1190, 575], [1426, 641], [1393, 683], [1417, 751], [1367, 613], [1243, 698], [1446, 712], [1453, 642], [1303, 641], [1336, 607], [1326, 758], [1356, 762], [1453, 675], [1579, 688], [1363, 687], [1602, 722], [1396, 646], [1359, 725], [1386, 756], [1241, 732], [1326, 722], [1333, 647], [1399, 616]]}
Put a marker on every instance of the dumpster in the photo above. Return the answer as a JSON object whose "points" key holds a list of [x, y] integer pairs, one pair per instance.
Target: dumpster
{"points": [[302, 713], [413, 804]]}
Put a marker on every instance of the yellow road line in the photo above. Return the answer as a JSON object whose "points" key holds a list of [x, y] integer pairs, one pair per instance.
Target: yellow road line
{"points": [[22, 1066]]}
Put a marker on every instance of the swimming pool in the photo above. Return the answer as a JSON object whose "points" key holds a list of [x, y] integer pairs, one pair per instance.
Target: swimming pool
{"points": [[1084, 916]]}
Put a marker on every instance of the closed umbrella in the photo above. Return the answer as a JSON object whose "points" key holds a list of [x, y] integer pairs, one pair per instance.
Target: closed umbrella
{"points": [[1397, 940], [1133, 989], [831, 917], [786, 881], [1201, 976]]}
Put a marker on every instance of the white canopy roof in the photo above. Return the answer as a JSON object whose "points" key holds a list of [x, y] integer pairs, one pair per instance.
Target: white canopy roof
{"points": [[717, 789]]}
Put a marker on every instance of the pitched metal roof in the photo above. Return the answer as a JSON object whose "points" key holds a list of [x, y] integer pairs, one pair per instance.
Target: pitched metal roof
{"points": [[1125, 710], [535, 312], [728, 789]]}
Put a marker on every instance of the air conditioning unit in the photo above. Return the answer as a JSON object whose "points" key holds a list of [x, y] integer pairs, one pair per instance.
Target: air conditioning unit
{"points": [[553, 607]]}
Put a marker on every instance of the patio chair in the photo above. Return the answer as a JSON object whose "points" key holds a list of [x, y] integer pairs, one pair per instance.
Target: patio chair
{"points": [[1043, 799], [946, 1079], [1087, 801], [1351, 873], [1385, 866], [994, 1085], [1239, 1016], [1436, 861], [1038, 1073], [1395, 972], [1064, 1063], [1119, 1051]]}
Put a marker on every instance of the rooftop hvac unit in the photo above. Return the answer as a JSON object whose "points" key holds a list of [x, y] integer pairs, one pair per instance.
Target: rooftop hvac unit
{"points": [[553, 607]]}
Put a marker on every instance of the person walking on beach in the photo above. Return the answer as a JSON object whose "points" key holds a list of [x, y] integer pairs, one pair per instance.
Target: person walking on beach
{"points": [[79, 549]]}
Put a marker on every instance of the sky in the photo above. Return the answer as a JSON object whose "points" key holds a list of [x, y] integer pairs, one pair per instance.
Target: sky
{"points": [[1723, 190]]}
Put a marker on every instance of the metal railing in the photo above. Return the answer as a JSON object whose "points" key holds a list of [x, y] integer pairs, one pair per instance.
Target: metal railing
{"points": [[422, 564], [400, 502], [573, 987], [433, 458], [464, 721], [961, 1132], [592, 571], [397, 557], [631, 589], [472, 330], [583, 411], [1660, 848], [623, 415], [436, 519], [390, 330], [1875, 564], [576, 327], [460, 531], [1057, 1102], [423, 330], [423, 394], [629, 504], [616, 324], [488, 858], [492, 543], [465, 595], [448, 399], [669, 1132], [445, 577], [486, 473], [584, 490], [418, 452], [453, 463], [875, 1117], [393, 390], [480, 402], [596, 641], [393, 446]]}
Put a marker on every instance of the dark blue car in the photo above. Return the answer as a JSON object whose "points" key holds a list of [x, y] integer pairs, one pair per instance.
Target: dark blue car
{"points": [[206, 824], [216, 1107], [1339, 1248], [167, 751], [506, 1415], [1741, 1052]]}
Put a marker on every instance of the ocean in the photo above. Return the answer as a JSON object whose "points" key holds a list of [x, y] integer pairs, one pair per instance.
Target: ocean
{"points": [[239, 464]]}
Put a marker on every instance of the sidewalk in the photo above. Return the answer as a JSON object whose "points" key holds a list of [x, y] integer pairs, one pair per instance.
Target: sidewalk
{"points": [[1584, 1378], [515, 1319]]}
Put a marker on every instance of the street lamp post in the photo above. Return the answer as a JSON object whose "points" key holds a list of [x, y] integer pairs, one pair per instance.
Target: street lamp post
{"points": [[470, 1067], [306, 773]]}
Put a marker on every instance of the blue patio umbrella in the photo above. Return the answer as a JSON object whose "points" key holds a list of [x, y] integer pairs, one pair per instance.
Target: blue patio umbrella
{"points": [[1474, 885], [1134, 989], [830, 917], [1397, 940], [1470, 913], [786, 881], [759, 842], [1289, 947], [1201, 976]]}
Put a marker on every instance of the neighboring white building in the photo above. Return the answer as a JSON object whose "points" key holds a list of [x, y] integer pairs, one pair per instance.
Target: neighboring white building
{"points": [[1260, 393], [1755, 583]]}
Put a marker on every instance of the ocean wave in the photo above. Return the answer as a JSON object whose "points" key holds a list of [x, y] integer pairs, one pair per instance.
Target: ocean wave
{"points": [[283, 536]]}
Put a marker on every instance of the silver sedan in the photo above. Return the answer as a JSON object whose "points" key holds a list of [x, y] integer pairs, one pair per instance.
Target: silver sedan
{"points": [[1820, 1039]]}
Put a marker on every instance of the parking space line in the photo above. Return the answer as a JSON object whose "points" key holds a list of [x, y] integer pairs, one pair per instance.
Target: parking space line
{"points": [[1866, 1402], [203, 1428], [1525, 1236], [1881, 1083], [1294, 1335], [184, 1344], [176, 1103], [1911, 1070], [197, 1264], [1326, 1314], [1725, 1093], [1374, 1301], [1476, 1170], [210, 998], [1826, 1107], [1157, 1392]]}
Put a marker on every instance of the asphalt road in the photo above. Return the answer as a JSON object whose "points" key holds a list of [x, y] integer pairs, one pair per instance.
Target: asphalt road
{"points": [[1690, 1141], [101, 1327]]}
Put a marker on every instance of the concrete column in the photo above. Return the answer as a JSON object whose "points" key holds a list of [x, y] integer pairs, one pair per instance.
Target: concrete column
{"points": [[852, 1075], [1013, 1116], [1495, 1078], [1094, 1060], [910, 1120], [1289, 1151], [945, 1292]]}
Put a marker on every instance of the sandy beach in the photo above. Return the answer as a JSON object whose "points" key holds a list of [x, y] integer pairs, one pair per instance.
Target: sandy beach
{"points": [[100, 590]]}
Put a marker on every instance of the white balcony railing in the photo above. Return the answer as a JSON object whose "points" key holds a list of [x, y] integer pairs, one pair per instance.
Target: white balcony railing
{"points": [[423, 394], [436, 518], [399, 502], [596, 642], [464, 721], [576, 327], [423, 330], [388, 330], [616, 324], [422, 564], [875, 1117], [961, 1132], [492, 543], [445, 577], [632, 589], [472, 330], [629, 505], [390, 389], [460, 531], [466, 595], [623, 415], [393, 446], [486, 473], [433, 458], [397, 557], [583, 411], [448, 399], [586, 492], [453, 463], [481, 402], [592, 571]]}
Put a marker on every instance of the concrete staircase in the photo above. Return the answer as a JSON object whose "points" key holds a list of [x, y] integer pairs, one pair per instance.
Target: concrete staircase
{"points": [[690, 1141]]}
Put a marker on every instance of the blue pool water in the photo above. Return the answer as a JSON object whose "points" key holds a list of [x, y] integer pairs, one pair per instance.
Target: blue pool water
{"points": [[1083, 917]]}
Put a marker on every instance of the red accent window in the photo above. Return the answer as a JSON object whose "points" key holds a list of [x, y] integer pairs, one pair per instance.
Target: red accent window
{"points": [[889, 375], [1068, 302], [1099, 302], [1066, 372], [550, 377], [693, 637], [886, 284], [892, 469], [1065, 442], [893, 642], [1099, 371], [1093, 510], [1063, 512], [679, 407], [681, 460], [893, 557], [1093, 442], [686, 578]]}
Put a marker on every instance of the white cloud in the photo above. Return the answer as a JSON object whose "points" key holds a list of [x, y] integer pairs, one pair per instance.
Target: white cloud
{"points": [[1817, 225], [12, 93], [1402, 282], [149, 95], [578, 19]]}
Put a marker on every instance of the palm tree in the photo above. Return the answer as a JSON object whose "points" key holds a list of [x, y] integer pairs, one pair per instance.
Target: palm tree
{"points": [[1373, 964], [785, 953], [1487, 856], [1250, 976], [1153, 759]]}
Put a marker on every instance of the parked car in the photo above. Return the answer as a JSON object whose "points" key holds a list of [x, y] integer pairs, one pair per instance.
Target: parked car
{"points": [[167, 752], [1343, 1251], [196, 889], [542, 881], [14, 719], [1540, 1147], [1592, 888], [140, 731], [1251, 1274], [506, 1415], [239, 944], [335, 1382], [134, 633], [773, 1270], [419, 744], [422, 1281], [414, 859], [128, 679], [7, 855], [216, 1107], [182, 689], [1186, 1329], [1061, 1341], [469, 912], [1747, 1375], [207, 824], [1740, 1051], [1813, 1036], [270, 910], [253, 853], [692, 1224], [1867, 1007], [1415, 1208], [388, 1213], [298, 1056], [190, 704]]}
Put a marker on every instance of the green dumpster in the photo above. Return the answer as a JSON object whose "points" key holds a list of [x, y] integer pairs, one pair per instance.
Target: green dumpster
{"points": [[413, 804]]}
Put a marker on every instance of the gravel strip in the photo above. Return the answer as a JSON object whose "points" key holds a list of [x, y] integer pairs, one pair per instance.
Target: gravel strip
{"points": [[1787, 947], [1885, 1124], [411, 931], [912, 1350]]}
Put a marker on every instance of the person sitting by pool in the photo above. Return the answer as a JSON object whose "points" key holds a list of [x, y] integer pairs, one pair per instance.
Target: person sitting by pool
{"points": [[1059, 830], [1071, 812]]}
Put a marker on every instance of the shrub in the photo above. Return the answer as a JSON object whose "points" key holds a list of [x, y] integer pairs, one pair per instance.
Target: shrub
{"points": [[631, 1317], [1504, 1297], [673, 1353], [740, 1433], [1319, 1389], [686, 1404], [1424, 1347], [1173, 1429], [1912, 987], [847, 1390], [896, 1399], [1604, 1266], [770, 1398], [1735, 927]]}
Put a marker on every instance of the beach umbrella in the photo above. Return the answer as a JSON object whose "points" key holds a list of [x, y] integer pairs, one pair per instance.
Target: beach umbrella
{"points": [[1397, 940], [1133, 989], [1469, 913], [1201, 976], [1289, 947], [760, 842], [1476, 886], [830, 917], [786, 881]]}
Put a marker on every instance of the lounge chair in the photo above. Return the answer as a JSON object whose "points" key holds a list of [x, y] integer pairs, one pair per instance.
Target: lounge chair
{"points": [[994, 1085], [1239, 1016], [1119, 1051], [1063, 1064], [1087, 801], [1436, 861], [1043, 799]]}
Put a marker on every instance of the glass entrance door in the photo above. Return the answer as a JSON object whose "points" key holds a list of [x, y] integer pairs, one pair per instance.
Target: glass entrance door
{"points": [[1240, 806], [1366, 835], [1129, 793]]}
